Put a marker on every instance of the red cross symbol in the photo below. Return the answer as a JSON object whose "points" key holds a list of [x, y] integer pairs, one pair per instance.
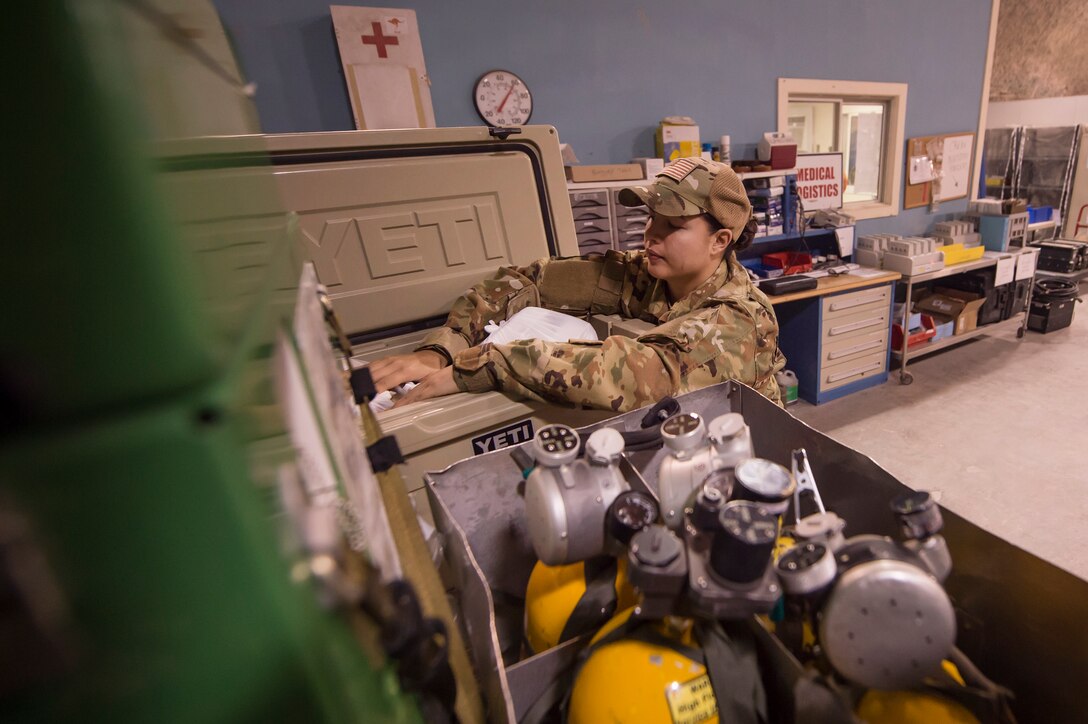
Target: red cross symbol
{"points": [[378, 40]]}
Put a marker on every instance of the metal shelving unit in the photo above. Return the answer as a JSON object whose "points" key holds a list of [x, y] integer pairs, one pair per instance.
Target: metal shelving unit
{"points": [[1076, 276], [1039, 231], [905, 354]]}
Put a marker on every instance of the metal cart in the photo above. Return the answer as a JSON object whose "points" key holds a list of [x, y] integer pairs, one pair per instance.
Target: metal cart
{"points": [[905, 354]]}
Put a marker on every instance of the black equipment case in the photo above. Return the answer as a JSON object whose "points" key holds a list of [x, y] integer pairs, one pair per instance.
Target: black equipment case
{"points": [[1052, 305], [981, 282], [1062, 255]]}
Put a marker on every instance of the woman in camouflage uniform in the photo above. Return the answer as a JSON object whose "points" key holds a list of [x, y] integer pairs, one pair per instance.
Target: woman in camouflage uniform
{"points": [[713, 324]]}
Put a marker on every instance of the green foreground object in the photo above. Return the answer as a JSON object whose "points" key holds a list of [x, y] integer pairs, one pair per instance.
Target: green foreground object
{"points": [[142, 571]]}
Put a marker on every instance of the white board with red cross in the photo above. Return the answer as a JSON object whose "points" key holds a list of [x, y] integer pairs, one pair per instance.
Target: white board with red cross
{"points": [[382, 56]]}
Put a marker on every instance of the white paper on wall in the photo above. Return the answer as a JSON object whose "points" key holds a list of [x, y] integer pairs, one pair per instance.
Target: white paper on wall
{"points": [[956, 167], [382, 57], [921, 169]]}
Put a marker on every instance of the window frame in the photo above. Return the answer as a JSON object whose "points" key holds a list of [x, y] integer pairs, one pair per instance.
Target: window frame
{"points": [[895, 96]]}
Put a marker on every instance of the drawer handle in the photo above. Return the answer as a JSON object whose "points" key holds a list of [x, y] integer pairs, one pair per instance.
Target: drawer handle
{"points": [[855, 302], [855, 373], [856, 348], [853, 326]]}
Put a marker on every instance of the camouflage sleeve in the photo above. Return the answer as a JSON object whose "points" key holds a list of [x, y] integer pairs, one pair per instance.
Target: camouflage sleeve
{"points": [[569, 285], [508, 291], [704, 347]]}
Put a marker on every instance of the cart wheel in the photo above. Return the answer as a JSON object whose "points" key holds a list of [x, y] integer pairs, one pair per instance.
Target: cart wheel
{"points": [[1020, 333], [905, 378]]}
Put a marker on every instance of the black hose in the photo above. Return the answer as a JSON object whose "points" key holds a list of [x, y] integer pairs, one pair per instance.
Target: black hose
{"points": [[1055, 290]]}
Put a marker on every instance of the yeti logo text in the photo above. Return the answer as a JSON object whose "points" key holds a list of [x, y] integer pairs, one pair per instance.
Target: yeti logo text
{"points": [[514, 434], [406, 243]]}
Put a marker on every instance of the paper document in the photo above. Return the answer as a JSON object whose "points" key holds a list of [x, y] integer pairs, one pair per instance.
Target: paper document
{"points": [[921, 169], [844, 235], [867, 273]]}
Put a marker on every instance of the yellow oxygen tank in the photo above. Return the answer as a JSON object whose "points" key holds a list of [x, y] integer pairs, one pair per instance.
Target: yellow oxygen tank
{"points": [[631, 680], [555, 592]]}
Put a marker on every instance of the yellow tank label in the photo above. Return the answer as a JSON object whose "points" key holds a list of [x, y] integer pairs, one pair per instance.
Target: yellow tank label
{"points": [[692, 702]]}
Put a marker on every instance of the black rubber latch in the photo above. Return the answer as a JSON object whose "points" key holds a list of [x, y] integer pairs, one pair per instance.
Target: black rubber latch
{"points": [[502, 133], [362, 385], [384, 454]]}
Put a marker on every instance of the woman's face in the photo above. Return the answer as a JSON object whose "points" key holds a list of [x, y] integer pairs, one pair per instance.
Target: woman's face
{"points": [[683, 251]]}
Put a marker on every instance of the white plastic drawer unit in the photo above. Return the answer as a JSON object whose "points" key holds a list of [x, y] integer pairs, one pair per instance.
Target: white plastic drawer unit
{"points": [[853, 302], [859, 321], [838, 375], [850, 347]]}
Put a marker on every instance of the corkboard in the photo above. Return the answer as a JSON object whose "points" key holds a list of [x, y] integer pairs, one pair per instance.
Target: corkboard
{"points": [[957, 167]]}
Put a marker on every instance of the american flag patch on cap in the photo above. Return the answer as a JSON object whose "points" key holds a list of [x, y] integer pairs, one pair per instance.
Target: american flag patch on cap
{"points": [[679, 169]]}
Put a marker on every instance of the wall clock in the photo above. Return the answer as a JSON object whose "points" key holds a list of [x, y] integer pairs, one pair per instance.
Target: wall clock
{"points": [[502, 99]]}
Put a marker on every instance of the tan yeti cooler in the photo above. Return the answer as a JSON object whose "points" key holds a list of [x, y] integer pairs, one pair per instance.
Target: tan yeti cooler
{"points": [[401, 223]]}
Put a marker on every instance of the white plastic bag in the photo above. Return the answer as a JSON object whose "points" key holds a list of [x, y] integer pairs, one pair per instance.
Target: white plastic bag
{"points": [[539, 323]]}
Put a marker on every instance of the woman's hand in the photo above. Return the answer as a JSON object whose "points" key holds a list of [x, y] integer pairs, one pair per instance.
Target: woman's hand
{"points": [[400, 368], [436, 384]]}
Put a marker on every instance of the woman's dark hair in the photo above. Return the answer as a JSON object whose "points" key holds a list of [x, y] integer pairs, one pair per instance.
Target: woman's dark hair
{"points": [[744, 239]]}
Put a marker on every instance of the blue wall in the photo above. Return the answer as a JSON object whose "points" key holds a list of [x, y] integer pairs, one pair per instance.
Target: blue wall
{"points": [[603, 72]]}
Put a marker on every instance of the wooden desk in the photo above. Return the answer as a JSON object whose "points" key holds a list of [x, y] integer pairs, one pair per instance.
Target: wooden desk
{"points": [[833, 285]]}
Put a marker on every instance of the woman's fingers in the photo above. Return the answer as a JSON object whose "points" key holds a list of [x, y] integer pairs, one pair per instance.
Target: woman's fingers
{"points": [[436, 384], [400, 368]]}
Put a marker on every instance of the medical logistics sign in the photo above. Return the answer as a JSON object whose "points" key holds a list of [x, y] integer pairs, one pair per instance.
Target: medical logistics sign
{"points": [[819, 180]]}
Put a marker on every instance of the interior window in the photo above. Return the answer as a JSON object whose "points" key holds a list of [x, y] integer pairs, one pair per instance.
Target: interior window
{"points": [[864, 122]]}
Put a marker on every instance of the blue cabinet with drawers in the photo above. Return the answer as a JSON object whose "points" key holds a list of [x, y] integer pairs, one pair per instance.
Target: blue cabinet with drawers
{"points": [[837, 344]]}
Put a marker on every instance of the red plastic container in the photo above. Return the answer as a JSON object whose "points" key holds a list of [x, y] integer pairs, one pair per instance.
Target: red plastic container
{"points": [[915, 337], [791, 262]]}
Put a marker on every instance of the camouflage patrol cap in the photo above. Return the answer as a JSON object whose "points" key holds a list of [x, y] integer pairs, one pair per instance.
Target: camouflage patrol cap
{"points": [[690, 186]]}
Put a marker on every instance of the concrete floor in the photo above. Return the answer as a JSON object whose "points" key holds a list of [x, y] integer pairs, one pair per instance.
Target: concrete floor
{"points": [[996, 427]]}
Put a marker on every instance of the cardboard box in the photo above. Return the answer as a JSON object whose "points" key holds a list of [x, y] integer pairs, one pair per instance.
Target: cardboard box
{"points": [[954, 304], [609, 172], [677, 138]]}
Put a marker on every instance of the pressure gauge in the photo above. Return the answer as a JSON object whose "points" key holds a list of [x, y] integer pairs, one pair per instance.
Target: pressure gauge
{"points": [[629, 513], [743, 545], [765, 482], [502, 99]]}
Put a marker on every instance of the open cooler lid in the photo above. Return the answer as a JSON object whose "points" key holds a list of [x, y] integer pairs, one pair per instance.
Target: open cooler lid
{"points": [[399, 223]]}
